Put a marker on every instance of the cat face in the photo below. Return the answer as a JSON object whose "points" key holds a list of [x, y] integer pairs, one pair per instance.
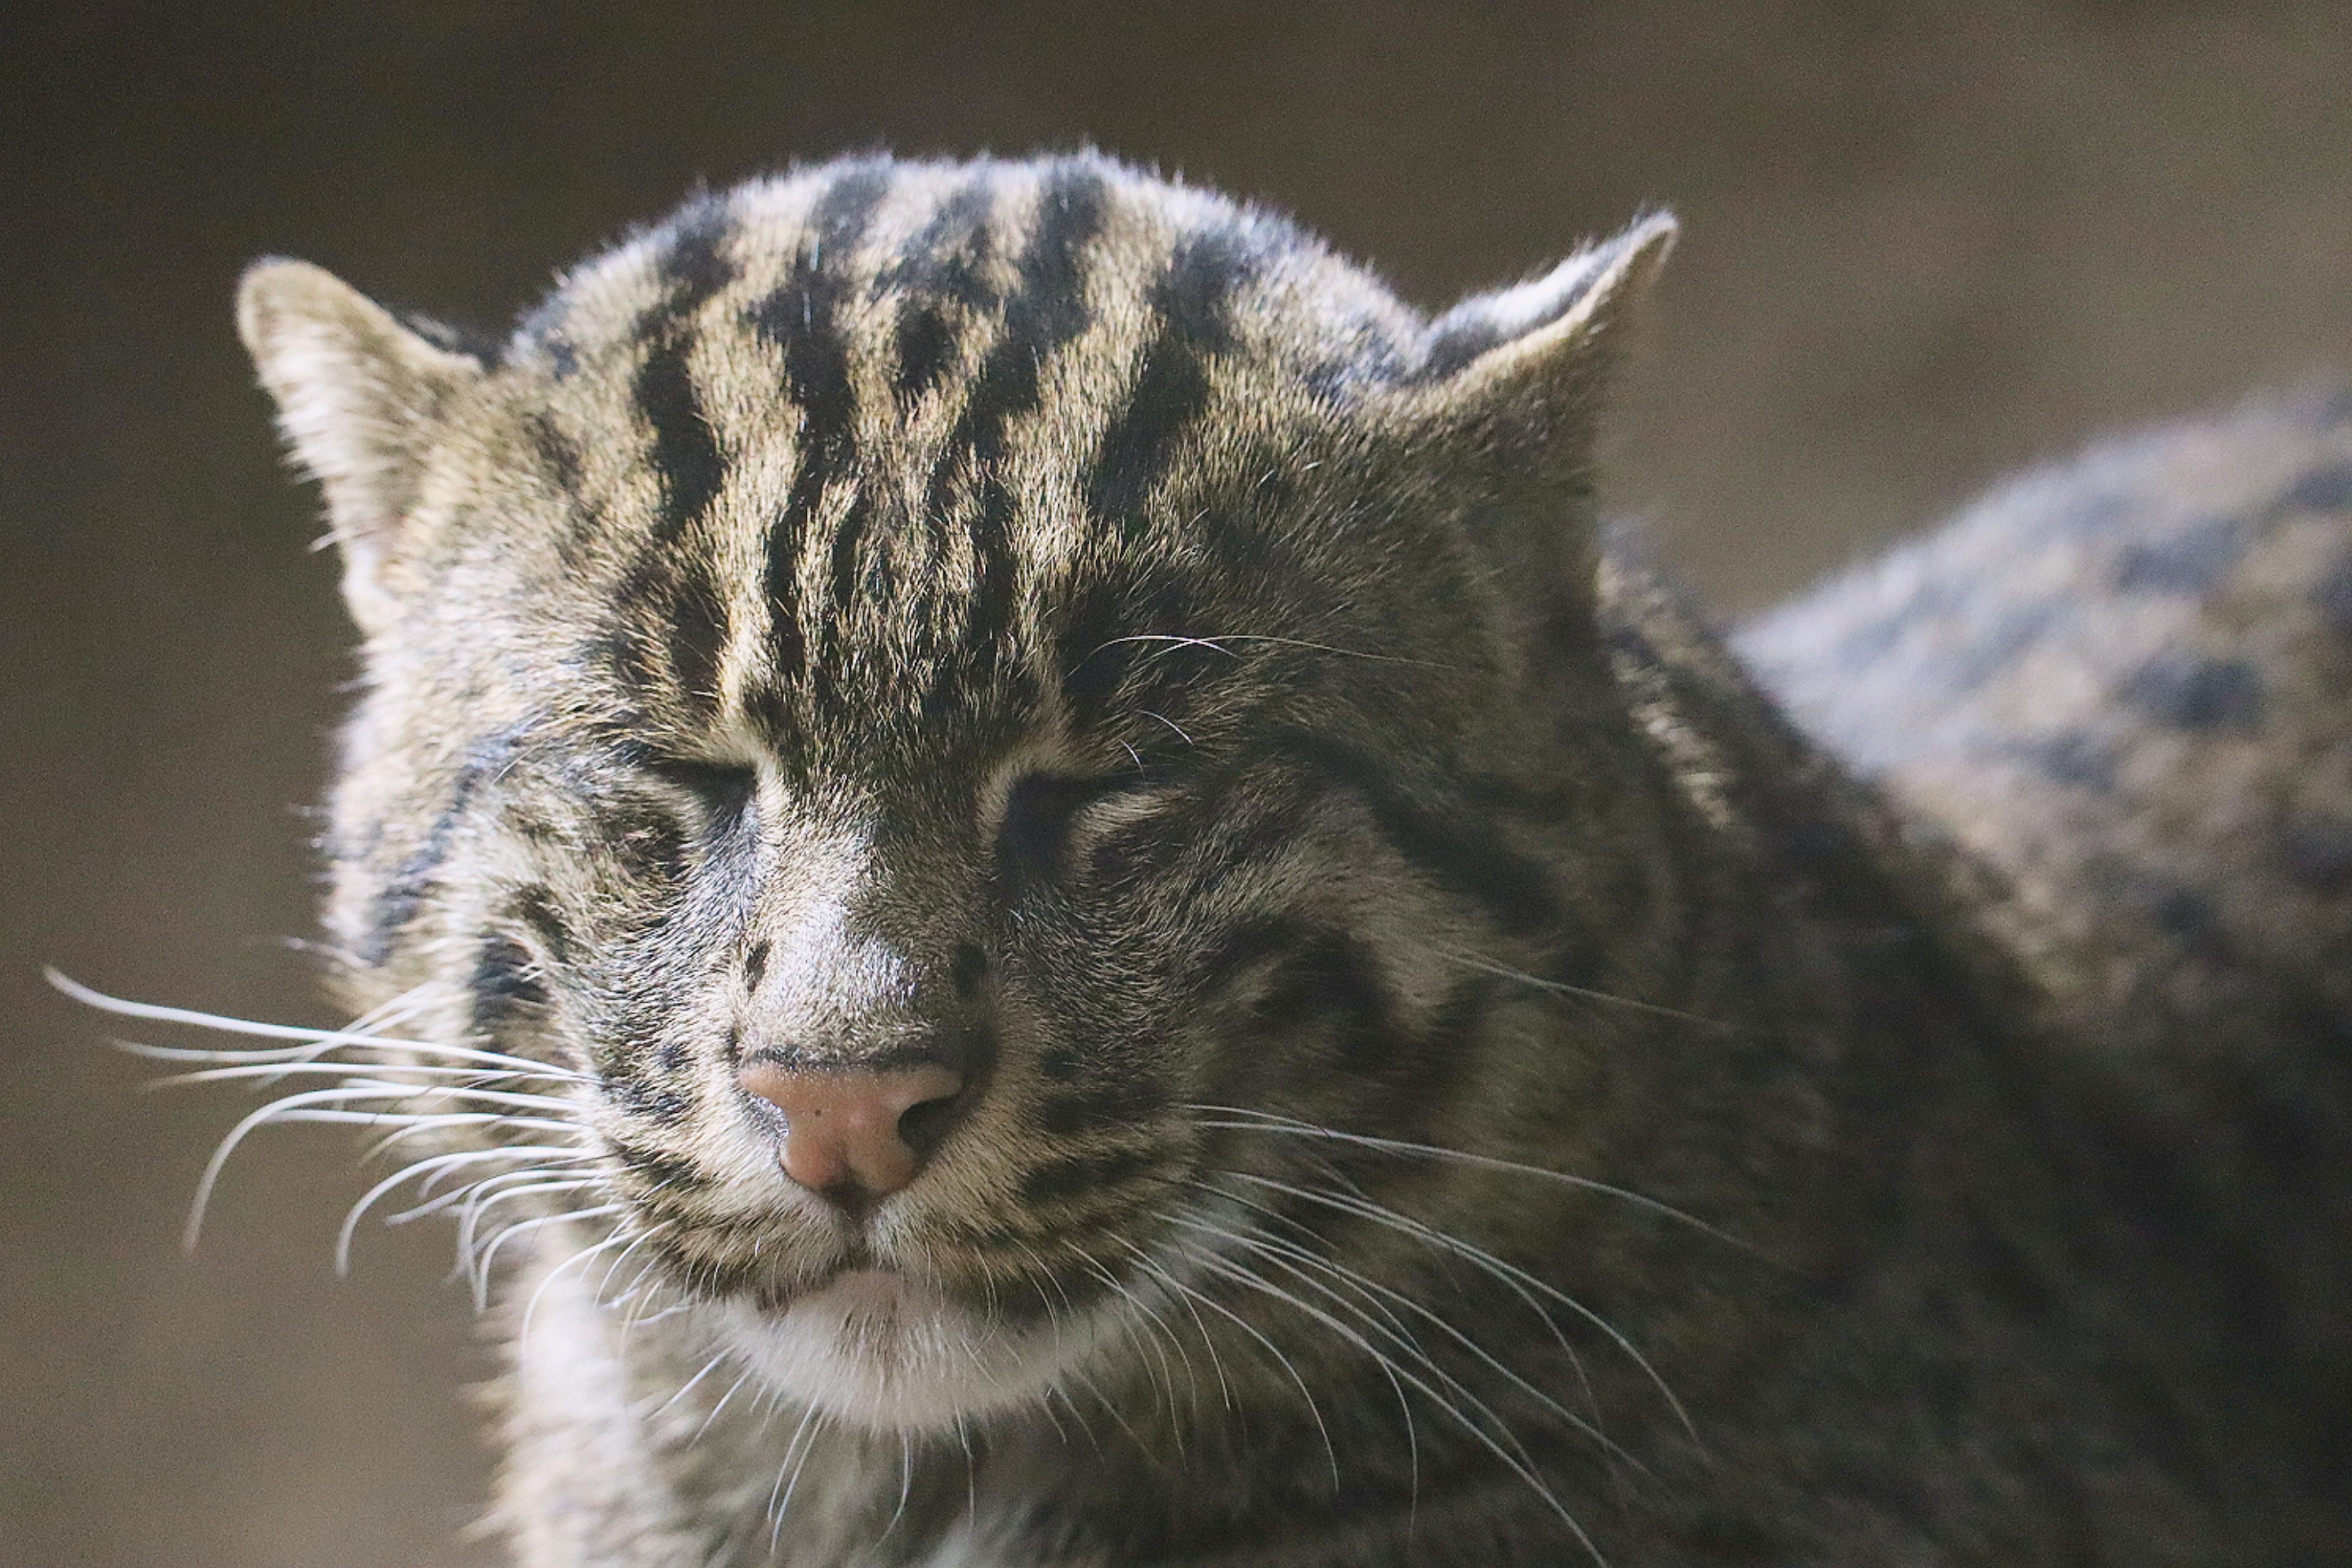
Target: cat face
{"points": [[951, 695]]}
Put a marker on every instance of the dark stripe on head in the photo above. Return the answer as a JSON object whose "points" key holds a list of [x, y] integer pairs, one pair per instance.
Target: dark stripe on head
{"points": [[925, 340], [801, 318], [403, 894], [1106, 655], [1046, 309], [1460, 853], [1192, 302], [942, 273], [685, 455]]}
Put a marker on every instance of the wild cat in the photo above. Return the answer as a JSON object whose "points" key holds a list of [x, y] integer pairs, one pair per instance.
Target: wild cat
{"points": [[1016, 851]]}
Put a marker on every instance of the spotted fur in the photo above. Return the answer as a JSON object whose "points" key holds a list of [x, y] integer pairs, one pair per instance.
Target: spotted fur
{"points": [[1449, 1076]]}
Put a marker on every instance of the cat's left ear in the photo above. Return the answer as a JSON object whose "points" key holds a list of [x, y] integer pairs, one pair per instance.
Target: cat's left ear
{"points": [[1516, 376], [361, 398]]}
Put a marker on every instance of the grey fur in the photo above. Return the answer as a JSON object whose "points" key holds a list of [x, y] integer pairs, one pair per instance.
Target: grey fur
{"points": [[1044, 617]]}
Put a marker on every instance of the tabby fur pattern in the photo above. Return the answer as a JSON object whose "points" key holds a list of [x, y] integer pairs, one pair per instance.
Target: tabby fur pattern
{"points": [[1451, 1076]]}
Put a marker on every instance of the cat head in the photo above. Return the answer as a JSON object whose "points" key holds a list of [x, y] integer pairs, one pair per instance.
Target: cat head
{"points": [[948, 693]]}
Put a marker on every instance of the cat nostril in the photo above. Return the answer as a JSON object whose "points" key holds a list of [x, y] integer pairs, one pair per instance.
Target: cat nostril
{"points": [[851, 1128]]}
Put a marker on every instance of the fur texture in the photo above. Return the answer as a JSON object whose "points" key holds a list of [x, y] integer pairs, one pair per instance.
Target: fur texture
{"points": [[1450, 1075]]}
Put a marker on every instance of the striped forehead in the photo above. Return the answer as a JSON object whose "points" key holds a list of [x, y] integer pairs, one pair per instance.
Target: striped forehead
{"points": [[872, 409]]}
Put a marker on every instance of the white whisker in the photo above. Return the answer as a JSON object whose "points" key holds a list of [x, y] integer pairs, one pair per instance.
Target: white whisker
{"points": [[466, 1076], [489, 1255], [1583, 993], [427, 1171], [1268, 1122], [1331, 1453], [1480, 1258], [1217, 644], [318, 1040], [1517, 1465]]}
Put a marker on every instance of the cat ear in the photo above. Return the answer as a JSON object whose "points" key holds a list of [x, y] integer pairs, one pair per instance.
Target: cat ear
{"points": [[1518, 373], [1501, 414], [359, 396]]}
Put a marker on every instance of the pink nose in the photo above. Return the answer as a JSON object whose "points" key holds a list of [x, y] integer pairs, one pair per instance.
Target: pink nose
{"points": [[844, 1129]]}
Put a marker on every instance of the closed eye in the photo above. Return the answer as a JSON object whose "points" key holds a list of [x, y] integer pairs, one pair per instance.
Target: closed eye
{"points": [[724, 790], [1034, 835]]}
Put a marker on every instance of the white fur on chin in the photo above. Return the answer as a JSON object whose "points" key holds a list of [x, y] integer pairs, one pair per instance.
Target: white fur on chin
{"points": [[885, 1351]]}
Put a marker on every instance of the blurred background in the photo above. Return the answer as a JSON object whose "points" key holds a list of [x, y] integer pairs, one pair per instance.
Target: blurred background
{"points": [[1925, 244]]}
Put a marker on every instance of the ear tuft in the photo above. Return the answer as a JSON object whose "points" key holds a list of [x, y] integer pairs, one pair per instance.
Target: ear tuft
{"points": [[359, 396], [1505, 403], [1568, 320]]}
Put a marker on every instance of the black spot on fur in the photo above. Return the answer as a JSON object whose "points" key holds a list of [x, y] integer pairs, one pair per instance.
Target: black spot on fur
{"points": [[755, 966], [1057, 1181], [1036, 824], [2318, 852], [2322, 490], [650, 1103], [660, 1169], [2191, 562], [2191, 693], [925, 341], [967, 969], [2076, 759], [2333, 598], [941, 275], [534, 908], [505, 981]]}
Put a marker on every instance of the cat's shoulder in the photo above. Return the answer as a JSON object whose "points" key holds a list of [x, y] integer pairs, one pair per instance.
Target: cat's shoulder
{"points": [[2122, 684]]}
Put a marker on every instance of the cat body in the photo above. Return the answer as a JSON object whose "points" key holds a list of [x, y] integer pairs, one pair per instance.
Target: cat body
{"points": [[1401, 1053]]}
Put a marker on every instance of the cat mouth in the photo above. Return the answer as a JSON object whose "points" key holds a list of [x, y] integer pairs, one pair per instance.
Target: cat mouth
{"points": [[857, 1279], [900, 1348]]}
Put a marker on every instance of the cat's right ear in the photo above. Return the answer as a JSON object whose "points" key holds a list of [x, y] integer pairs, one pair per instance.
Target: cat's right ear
{"points": [[359, 396]]}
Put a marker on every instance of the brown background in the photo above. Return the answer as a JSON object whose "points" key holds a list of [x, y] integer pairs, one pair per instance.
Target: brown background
{"points": [[1925, 244]]}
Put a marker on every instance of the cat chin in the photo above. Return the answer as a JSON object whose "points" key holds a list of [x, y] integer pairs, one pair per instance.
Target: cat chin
{"points": [[881, 1350]]}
